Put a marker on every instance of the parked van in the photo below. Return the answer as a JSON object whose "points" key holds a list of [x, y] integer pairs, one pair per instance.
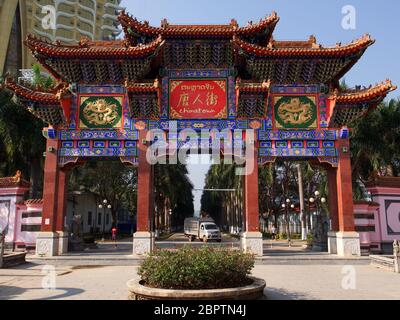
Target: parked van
{"points": [[203, 229]]}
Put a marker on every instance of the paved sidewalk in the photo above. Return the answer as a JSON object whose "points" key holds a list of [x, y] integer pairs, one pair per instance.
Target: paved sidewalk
{"points": [[284, 282], [275, 253]]}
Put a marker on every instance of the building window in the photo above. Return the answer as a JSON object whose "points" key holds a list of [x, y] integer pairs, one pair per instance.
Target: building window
{"points": [[31, 228], [99, 219], [27, 215], [90, 217], [108, 219]]}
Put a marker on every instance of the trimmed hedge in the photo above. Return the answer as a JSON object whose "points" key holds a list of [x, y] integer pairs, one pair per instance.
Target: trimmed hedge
{"points": [[191, 269]]}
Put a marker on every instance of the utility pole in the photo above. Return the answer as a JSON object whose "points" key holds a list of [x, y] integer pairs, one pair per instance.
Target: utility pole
{"points": [[301, 197]]}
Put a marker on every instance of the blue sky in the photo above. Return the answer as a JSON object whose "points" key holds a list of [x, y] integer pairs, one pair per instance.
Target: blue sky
{"points": [[299, 19]]}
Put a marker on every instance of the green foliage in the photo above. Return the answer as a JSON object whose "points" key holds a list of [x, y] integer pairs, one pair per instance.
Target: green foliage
{"points": [[109, 180], [267, 235], [375, 142], [224, 207], [173, 190], [190, 268], [293, 236], [41, 81], [309, 238], [21, 141]]}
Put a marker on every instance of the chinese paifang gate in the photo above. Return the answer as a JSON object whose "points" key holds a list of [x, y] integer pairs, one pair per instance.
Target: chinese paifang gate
{"points": [[111, 93]]}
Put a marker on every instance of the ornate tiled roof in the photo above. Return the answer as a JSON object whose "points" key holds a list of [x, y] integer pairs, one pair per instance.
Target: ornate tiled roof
{"points": [[16, 181], [91, 49], [290, 49], [379, 91], [32, 202], [50, 98], [43, 105], [353, 104], [132, 26]]}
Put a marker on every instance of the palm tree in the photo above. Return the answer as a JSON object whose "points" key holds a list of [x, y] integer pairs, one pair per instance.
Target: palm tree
{"points": [[225, 207], [173, 192], [375, 145]]}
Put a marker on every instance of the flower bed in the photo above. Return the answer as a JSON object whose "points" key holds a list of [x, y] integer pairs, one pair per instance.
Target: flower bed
{"points": [[189, 273]]}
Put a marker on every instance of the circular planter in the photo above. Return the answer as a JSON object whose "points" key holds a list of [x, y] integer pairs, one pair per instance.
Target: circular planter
{"points": [[138, 291]]}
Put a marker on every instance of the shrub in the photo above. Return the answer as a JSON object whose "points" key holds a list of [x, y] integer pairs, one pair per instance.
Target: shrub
{"points": [[190, 268]]}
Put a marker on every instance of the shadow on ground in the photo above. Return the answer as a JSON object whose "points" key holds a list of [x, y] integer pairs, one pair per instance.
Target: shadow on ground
{"points": [[8, 293], [282, 294]]}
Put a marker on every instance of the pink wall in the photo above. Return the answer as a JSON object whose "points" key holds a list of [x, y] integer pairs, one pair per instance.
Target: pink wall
{"points": [[9, 198], [388, 199], [367, 222], [27, 215]]}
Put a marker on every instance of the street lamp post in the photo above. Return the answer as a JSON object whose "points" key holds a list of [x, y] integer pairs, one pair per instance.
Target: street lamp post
{"points": [[104, 206], [318, 232], [288, 204]]}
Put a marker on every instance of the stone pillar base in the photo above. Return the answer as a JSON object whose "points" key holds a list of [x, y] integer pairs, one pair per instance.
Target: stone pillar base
{"points": [[332, 245], [348, 244], [143, 243], [252, 242], [47, 244], [62, 242]]}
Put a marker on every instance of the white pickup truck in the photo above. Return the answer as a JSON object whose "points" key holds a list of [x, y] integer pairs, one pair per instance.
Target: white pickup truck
{"points": [[204, 229]]}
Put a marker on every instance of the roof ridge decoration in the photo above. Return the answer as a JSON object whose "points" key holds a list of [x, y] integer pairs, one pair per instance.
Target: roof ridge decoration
{"points": [[355, 46], [35, 94], [133, 27], [366, 94], [310, 43], [16, 181], [91, 49]]}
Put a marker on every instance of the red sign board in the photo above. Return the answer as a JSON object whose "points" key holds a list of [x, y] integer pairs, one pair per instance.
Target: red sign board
{"points": [[198, 99]]}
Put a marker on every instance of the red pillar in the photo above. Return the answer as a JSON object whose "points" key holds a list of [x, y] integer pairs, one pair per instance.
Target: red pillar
{"points": [[63, 176], [333, 198], [345, 188], [50, 190], [145, 190], [251, 214]]}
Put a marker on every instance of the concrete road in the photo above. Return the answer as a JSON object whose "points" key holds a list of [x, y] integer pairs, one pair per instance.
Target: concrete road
{"points": [[284, 282], [178, 240]]}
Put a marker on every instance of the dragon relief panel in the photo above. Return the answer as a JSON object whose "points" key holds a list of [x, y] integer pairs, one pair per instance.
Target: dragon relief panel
{"points": [[100, 112], [295, 112]]}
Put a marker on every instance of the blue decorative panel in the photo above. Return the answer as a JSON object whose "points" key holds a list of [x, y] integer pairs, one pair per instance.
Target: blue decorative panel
{"points": [[306, 153], [99, 144], [98, 135], [130, 144], [297, 144], [98, 152], [312, 144], [297, 135], [67, 144], [83, 144], [329, 144], [281, 144], [295, 89], [265, 144], [115, 144]]}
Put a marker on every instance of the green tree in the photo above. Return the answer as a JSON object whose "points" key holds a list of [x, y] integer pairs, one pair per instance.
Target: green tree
{"points": [[375, 145], [21, 142], [173, 192], [109, 180]]}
